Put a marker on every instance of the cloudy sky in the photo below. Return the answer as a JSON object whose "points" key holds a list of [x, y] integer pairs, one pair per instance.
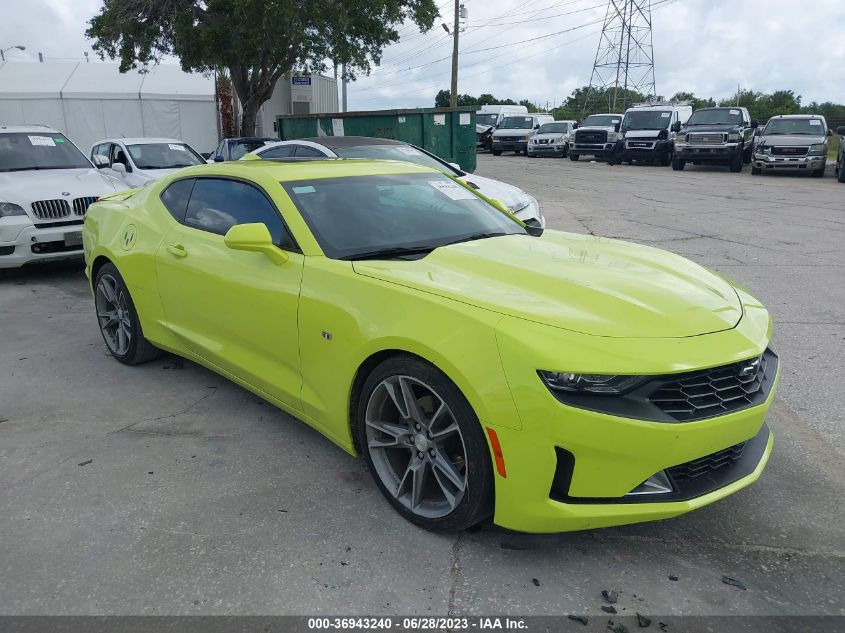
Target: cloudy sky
{"points": [[704, 46]]}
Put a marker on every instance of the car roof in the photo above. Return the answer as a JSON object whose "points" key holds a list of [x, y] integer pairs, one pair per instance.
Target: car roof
{"points": [[246, 139], [798, 116], [348, 141], [140, 141], [291, 171], [23, 129]]}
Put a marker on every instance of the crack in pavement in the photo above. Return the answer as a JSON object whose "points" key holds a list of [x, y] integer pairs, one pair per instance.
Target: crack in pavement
{"points": [[454, 573], [128, 427]]}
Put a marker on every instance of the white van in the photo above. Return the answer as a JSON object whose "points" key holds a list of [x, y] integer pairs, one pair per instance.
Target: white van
{"points": [[488, 117], [647, 132], [514, 131]]}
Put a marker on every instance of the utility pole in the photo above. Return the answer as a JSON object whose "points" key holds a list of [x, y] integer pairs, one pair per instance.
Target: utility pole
{"points": [[343, 86], [453, 96]]}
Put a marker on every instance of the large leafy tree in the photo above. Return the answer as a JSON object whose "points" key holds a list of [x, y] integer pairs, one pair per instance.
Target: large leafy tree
{"points": [[257, 41]]}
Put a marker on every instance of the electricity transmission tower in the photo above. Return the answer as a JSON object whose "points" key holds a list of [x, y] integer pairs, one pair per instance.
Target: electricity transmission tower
{"points": [[625, 57]]}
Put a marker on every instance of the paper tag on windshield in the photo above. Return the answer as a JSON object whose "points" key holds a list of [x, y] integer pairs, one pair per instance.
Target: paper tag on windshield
{"points": [[734, 111], [452, 190], [178, 148], [665, 115], [410, 151], [46, 141], [815, 122]]}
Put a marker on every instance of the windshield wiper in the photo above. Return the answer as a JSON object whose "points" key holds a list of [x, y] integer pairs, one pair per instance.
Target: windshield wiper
{"points": [[392, 253], [477, 236]]}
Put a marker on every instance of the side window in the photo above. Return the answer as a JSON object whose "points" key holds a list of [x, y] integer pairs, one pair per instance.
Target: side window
{"points": [[119, 156], [176, 197], [217, 204], [283, 151], [308, 152]]}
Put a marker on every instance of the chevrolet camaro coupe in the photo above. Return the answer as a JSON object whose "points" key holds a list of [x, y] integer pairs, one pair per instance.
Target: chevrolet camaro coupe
{"points": [[551, 382]]}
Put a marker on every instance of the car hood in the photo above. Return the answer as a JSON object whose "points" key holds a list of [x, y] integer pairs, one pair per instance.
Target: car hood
{"points": [[480, 128], [798, 139], [520, 131], [600, 128], [503, 192], [642, 133], [551, 135], [722, 129], [155, 174], [582, 283], [22, 187]]}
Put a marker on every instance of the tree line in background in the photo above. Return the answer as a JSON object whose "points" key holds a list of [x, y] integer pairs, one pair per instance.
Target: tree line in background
{"points": [[761, 105]]}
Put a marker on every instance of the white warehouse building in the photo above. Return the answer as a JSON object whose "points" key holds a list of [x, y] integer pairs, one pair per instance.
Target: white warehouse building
{"points": [[93, 101]]}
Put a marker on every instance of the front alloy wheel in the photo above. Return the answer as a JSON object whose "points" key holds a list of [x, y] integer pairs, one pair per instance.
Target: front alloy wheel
{"points": [[424, 446]]}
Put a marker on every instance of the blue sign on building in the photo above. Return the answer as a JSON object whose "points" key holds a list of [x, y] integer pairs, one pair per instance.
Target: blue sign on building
{"points": [[301, 81]]}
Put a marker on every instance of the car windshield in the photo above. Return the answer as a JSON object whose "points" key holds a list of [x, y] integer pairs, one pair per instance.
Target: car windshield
{"points": [[810, 127], [721, 116], [601, 120], [375, 217], [239, 148], [646, 120], [486, 119], [38, 150], [405, 153], [163, 155], [517, 123], [553, 128]]}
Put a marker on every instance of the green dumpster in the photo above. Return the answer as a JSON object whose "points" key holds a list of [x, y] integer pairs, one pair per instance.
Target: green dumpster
{"points": [[447, 132]]}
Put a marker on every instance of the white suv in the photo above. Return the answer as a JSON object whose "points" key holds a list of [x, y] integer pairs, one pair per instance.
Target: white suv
{"points": [[137, 161], [46, 185]]}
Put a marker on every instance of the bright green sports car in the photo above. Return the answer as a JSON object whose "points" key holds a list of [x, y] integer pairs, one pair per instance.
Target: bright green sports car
{"points": [[554, 382]]}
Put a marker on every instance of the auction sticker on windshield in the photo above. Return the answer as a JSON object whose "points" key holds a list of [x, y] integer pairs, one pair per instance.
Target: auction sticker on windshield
{"points": [[178, 148], [410, 151], [46, 141], [452, 190]]}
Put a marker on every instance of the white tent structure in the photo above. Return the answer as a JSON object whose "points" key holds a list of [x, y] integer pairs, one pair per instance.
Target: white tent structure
{"points": [[93, 101]]}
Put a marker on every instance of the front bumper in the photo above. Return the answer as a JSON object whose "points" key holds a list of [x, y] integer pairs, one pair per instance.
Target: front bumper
{"points": [[22, 242], [591, 149], [613, 455], [509, 146], [789, 163], [646, 149], [547, 148], [708, 153]]}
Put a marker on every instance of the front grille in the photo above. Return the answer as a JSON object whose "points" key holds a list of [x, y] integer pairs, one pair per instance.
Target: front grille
{"points": [[711, 392], [51, 209], [790, 151], [509, 138], [709, 463], [706, 139], [591, 136], [80, 205]]}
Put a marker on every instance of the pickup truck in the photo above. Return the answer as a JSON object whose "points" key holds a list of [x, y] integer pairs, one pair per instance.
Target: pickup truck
{"points": [[723, 136]]}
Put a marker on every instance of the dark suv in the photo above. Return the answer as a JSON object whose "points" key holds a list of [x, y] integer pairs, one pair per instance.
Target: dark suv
{"points": [[722, 136]]}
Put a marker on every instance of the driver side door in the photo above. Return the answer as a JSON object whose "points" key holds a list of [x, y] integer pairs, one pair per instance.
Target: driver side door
{"points": [[235, 309]]}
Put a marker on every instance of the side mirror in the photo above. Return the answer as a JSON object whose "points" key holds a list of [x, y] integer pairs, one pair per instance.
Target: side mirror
{"points": [[218, 159], [754, 123], [254, 237], [676, 127], [533, 231], [120, 168], [758, 132], [841, 130], [206, 155], [575, 126], [537, 127], [829, 133], [100, 161]]}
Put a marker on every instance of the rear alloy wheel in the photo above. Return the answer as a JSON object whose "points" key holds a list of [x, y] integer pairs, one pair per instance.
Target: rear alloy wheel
{"points": [[119, 323], [424, 446]]}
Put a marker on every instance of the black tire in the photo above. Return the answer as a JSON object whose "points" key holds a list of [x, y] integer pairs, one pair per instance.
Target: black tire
{"points": [[736, 164], [840, 176], [818, 173], [665, 159], [756, 171], [476, 500], [139, 349], [496, 152], [678, 164], [747, 156], [573, 157]]}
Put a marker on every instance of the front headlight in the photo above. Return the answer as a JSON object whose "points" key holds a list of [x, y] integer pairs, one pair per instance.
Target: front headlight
{"points": [[733, 137], [598, 384], [526, 137], [7, 209], [818, 148]]}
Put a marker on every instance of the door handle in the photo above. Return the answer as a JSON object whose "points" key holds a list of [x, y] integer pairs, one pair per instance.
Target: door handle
{"points": [[178, 250]]}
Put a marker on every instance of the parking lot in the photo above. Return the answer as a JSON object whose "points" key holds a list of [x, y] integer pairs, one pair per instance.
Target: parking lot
{"points": [[166, 489]]}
